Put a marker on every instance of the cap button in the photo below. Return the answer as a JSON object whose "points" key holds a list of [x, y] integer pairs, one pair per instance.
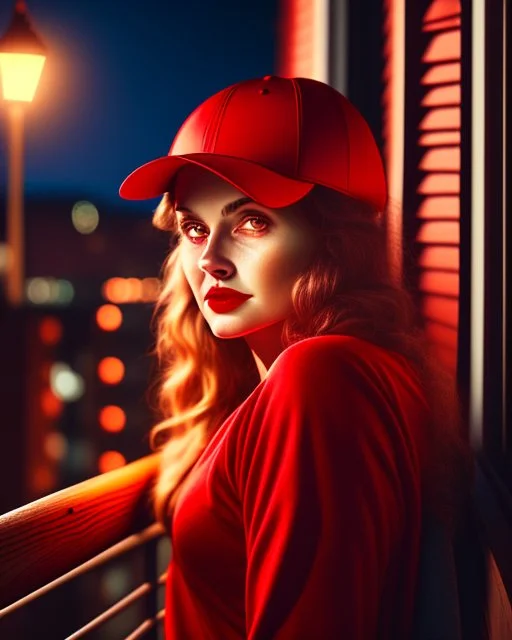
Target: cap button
{"points": [[267, 78]]}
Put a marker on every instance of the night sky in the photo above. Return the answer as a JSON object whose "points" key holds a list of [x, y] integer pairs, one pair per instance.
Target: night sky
{"points": [[121, 76]]}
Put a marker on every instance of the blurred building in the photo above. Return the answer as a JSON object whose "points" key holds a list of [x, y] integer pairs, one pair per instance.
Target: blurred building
{"points": [[88, 242], [76, 361]]}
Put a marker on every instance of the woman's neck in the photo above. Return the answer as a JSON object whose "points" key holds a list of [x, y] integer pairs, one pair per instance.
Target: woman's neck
{"points": [[265, 345]]}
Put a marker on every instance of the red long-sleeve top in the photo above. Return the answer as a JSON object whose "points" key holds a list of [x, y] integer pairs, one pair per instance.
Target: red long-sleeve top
{"points": [[301, 519]]}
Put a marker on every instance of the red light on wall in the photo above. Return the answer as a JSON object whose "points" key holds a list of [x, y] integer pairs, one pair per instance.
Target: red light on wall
{"points": [[434, 138], [444, 46], [446, 336], [442, 96], [441, 309], [439, 137], [50, 331], [439, 283], [442, 73], [50, 404], [443, 258], [439, 233], [111, 370], [110, 460], [441, 159], [437, 207], [439, 184], [442, 9], [449, 23], [112, 418], [441, 119], [109, 317]]}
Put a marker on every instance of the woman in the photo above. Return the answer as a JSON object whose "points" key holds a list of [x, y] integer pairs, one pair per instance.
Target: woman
{"points": [[300, 403]]}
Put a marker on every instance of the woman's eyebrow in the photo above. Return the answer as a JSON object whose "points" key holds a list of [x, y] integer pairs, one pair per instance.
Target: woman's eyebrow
{"points": [[228, 209]]}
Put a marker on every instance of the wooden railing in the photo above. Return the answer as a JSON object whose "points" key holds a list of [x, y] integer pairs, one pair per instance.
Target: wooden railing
{"points": [[48, 544], [52, 541]]}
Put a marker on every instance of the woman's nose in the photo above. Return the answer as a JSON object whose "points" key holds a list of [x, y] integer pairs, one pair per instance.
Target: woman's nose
{"points": [[215, 262]]}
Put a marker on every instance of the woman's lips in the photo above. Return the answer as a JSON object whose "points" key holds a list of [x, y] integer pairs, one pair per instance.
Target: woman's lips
{"points": [[226, 305], [226, 302]]}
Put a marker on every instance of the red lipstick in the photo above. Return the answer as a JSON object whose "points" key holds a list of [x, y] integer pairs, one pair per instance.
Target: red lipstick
{"points": [[223, 299]]}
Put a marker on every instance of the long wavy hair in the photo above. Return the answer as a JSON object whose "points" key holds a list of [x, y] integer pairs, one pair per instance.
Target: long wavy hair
{"points": [[347, 289]]}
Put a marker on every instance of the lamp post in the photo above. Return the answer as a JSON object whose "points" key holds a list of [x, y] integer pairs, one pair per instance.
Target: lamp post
{"points": [[22, 57]]}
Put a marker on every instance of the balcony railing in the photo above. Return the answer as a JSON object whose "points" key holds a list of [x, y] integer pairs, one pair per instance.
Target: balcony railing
{"points": [[46, 545]]}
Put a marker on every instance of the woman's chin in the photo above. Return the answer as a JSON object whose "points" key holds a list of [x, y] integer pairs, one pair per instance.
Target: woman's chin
{"points": [[227, 328], [225, 333]]}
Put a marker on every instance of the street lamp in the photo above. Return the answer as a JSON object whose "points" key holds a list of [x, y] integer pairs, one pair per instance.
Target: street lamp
{"points": [[22, 57]]}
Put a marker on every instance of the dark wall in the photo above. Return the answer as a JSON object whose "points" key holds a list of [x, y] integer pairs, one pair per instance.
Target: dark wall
{"points": [[366, 62]]}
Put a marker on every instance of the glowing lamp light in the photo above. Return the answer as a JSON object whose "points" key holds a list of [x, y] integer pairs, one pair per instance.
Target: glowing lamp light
{"points": [[109, 317], [112, 419], [20, 75], [110, 460], [111, 370], [22, 57]]}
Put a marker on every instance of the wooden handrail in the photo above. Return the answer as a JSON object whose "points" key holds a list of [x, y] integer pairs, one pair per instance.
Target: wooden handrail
{"points": [[42, 540]]}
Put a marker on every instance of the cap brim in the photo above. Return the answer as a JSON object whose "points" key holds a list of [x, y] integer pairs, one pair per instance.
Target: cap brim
{"points": [[270, 189]]}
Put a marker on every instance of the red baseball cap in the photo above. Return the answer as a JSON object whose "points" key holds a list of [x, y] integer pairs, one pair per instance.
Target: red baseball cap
{"points": [[273, 139]]}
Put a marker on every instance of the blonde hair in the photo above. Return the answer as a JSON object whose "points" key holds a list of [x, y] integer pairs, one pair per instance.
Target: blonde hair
{"points": [[347, 289], [203, 379]]}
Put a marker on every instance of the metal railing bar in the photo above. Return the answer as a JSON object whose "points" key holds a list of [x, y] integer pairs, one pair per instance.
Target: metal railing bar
{"points": [[146, 626], [129, 543], [112, 611]]}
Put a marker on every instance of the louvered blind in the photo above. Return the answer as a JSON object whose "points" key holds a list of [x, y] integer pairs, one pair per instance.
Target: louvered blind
{"points": [[439, 134], [437, 137]]}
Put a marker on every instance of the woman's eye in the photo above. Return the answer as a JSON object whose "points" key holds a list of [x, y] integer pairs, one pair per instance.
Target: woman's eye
{"points": [[257, 223], [196, 233], [192, 230]]}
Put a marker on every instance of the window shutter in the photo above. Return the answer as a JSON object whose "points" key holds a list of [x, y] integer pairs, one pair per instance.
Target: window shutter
{"points": [[422, 116], [438, 215]]}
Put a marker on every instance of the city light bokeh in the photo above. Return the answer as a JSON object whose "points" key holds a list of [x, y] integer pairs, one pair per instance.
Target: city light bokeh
{"points": [[110, 460], [109, 317], [111, 370], [112, 419], [85, 217]]}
